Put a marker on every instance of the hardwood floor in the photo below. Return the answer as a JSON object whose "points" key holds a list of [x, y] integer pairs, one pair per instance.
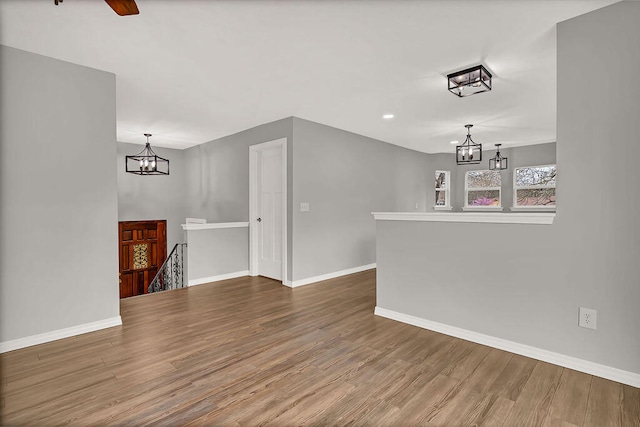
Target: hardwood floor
{"points": [[249, 351]]}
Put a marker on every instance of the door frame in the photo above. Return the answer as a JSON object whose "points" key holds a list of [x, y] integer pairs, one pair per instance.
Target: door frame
{"points": [[253, 204]]}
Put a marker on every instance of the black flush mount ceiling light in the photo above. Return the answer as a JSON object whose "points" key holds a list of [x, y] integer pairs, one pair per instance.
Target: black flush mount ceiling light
{"points": [[468, 153], [498, 162], [470, 81], [147, 162]]}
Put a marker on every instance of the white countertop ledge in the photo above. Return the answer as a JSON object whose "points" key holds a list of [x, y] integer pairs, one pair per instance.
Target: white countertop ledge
{"points": [[485, 217], [212, 225]]}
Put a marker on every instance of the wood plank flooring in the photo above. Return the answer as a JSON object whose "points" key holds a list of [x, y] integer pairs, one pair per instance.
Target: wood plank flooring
{"points": [[249, 351]]}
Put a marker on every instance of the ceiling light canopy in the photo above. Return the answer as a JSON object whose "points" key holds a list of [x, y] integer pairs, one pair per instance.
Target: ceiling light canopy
{"points": [[147, 162], [498, 162], [468, 153], [388, 116], [470, 81]]}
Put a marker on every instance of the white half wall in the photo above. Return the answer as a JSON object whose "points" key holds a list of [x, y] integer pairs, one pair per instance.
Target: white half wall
{"points": [[216, 251]]}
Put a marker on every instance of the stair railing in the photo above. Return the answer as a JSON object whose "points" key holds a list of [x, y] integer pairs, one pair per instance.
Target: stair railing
{"points": [[171, 274]]}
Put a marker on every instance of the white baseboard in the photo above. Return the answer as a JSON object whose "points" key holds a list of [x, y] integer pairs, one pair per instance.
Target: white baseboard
{"points": [[203, 280], [59, 334], [603, 371], [309, 280]]}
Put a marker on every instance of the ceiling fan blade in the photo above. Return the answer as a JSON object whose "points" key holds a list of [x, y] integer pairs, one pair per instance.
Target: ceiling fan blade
{"points": [[123, 7]]}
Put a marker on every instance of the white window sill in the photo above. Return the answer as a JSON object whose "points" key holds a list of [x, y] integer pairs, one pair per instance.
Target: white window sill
{"points": [[533, 208], [442, 208], [485, 217], [482, 208]]}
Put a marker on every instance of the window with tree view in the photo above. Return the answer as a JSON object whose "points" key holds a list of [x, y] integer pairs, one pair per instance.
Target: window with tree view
{"points": [[442, 189], [535, 186], [482, 188]]}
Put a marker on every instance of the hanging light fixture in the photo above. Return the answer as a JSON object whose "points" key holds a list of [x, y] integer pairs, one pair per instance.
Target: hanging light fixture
{"points": [[147, 162], [498, 162], [468, 153], [470, 81]]}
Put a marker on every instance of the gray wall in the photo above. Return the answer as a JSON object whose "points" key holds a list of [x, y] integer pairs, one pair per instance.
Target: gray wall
{"points": [[154, 197], [58, 195], [530, 155], [598, 198], [217, 175], [344, 177], [525, 283], [218, 251]]}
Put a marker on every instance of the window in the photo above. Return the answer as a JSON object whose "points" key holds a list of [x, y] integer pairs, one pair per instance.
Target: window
{"points": [[482, 189], [535, 186], [443, 195]]}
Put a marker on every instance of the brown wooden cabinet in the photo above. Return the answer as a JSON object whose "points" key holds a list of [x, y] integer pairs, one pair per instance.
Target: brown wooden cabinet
{"points": [[143, 249]]}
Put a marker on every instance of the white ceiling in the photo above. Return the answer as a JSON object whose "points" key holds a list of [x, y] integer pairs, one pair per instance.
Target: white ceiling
{"points": [[192, 71]]}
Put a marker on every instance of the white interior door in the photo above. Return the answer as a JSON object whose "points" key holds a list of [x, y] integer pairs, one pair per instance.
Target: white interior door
{"points": [[270, 211], [267, 211]]}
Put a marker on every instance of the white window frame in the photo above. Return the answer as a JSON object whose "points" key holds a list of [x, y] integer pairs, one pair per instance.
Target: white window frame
{"points": [[515, 206], [446, 189], [468, 207]]}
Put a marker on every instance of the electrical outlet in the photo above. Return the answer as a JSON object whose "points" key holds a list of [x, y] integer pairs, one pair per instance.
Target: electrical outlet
{"points": [[304, 207], [588, 318]]}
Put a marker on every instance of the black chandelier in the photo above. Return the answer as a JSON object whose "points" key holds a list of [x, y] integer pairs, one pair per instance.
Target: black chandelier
{"points": [[498, 162], [470, 81], [468, 153], [147, 162]]}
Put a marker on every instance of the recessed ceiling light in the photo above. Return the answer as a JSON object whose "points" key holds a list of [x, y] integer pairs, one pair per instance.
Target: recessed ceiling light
{"points": [[454, 142], [388, 116]]}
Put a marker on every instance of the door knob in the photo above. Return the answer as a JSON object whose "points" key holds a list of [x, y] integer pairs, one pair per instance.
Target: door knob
{"points": [[259, 220]]}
